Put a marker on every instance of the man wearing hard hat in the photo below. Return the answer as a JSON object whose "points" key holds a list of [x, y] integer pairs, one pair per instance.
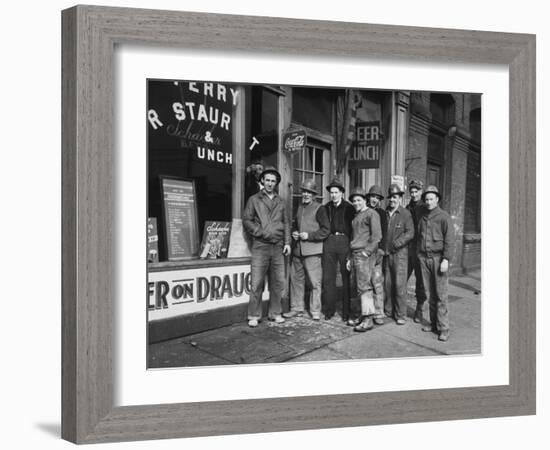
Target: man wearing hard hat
{"points": [[435, 245], [366, 235], [415, 207], [398, 235], [310, 228]]}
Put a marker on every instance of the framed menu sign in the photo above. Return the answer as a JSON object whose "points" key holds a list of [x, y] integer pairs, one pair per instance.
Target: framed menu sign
{"points": [[179, 203]]}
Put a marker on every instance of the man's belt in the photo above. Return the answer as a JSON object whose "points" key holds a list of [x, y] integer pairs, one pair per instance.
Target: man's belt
{"points": [[337, 233], [430, 254]]}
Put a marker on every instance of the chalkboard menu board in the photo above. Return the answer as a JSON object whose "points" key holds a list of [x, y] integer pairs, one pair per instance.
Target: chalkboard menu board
{"points": [[180, 218]]}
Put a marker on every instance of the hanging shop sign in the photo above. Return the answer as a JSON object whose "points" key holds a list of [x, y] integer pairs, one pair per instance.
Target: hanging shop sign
{"points": [[193, 116], [365, 154], [188, 291], [399, 180], [294, 141], [180, 218]]}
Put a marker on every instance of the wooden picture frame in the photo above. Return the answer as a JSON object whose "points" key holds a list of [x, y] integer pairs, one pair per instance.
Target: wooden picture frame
{"points": [[89, 37]]}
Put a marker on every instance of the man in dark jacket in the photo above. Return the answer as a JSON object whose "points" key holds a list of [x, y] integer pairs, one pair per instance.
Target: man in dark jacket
{"points": [[415, 207], [374, 198], [398, 235], [310, 228], [266, 220], [435, 248], [335, 250]]}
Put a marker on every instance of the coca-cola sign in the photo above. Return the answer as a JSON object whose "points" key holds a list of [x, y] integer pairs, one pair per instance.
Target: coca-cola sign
{"points": [[294, 141]]}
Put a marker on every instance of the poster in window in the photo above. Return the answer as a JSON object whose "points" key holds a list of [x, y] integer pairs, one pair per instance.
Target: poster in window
{"points": [[180, 218], [215, 239], [152, 240]]}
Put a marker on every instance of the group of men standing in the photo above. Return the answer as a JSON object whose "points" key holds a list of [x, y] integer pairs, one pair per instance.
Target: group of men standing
{"points": [[376, 250]]}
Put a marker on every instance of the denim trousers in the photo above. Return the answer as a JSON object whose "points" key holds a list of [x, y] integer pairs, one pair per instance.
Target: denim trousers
{"points": [[437, 288], [302, 267], [362, 270], [266, 258], [378, 287], [335, 251], [414, 266], [395, 279]]}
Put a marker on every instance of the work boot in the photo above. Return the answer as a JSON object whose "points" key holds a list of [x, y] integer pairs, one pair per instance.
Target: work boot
{"points": [[429, 329], [291, 314], [365, 325], [418, 316], [253, 323], [277, 319], [443, 336]]}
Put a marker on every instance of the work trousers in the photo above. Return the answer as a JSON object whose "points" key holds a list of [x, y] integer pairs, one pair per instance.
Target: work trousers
{"points": [[363, 273], [335, 251], [414, 266], [437, 288], [378, 286], [395, 279], [302, 267], [266, 257]]}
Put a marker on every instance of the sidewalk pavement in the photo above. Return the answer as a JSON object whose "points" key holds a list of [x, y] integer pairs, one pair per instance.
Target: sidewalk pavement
{"points": [[302, 339]]}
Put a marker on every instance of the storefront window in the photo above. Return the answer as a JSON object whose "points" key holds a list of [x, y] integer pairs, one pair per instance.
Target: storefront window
{"points": [[262, 121], [311, 163], [190, 141]]}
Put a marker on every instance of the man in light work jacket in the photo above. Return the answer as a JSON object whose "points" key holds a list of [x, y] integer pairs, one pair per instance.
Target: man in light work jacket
{"points": [[266, 220], [399, 233], [415, 207], [310, 228], [435, 247]]}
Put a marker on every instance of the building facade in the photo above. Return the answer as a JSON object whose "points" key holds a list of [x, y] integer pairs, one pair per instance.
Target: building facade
{"points": [[204, 140]]}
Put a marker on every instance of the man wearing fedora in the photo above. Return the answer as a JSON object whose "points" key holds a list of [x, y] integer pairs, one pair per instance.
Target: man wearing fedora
{"points": [[310, 228], [400, 231], [415, 207], [374, 199], [335, 250], [366, 234], [266, 220], [435, 248]]}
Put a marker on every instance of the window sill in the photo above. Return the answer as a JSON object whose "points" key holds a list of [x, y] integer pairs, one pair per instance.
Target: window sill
{"points": [[196, 263]]}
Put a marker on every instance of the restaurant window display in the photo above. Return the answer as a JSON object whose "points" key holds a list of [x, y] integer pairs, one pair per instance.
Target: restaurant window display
{"points": [[190, 155]]}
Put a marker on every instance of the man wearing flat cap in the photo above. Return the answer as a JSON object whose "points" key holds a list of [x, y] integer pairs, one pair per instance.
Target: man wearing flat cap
{"points": [[400, 231], [336, 248], [415, 207], [435, 245], [266, 220], [310, 228]]}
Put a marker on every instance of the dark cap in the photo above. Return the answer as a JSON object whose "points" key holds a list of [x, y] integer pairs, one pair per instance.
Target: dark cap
{"points": [[336, 183], [272, 170]]}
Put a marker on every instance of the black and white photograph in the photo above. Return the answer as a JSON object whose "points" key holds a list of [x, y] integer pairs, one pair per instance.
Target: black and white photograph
{"points": [[293, 224]]}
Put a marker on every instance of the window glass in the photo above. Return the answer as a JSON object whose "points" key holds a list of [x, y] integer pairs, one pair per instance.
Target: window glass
{"points": [[189, 136]]}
